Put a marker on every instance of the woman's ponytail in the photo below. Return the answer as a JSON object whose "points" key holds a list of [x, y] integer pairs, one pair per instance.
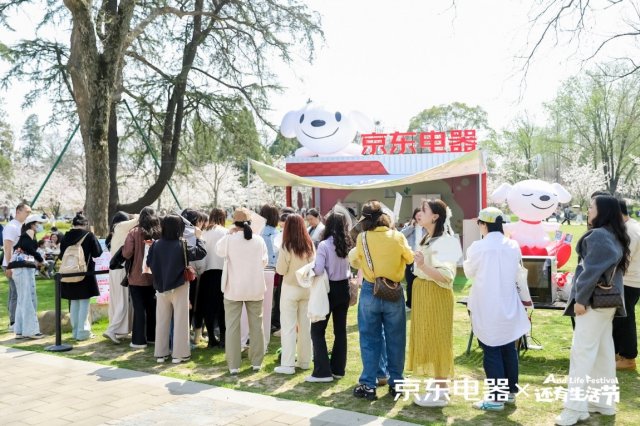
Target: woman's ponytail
{"points": [[246, 227]]}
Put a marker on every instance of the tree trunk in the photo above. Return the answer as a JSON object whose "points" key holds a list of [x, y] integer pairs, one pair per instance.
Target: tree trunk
{"points": [[95, 77], [113, 160]]}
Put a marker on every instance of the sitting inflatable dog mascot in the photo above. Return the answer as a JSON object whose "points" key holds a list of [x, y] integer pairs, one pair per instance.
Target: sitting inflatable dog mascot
{"points": [[324, 132], [533, 201]]}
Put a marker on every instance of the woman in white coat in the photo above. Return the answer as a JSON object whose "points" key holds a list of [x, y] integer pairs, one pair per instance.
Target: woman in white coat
{"points": [[498, 317]]}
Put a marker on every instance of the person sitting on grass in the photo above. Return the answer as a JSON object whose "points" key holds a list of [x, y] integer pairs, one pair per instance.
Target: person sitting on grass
{"points": [[48, 264]]}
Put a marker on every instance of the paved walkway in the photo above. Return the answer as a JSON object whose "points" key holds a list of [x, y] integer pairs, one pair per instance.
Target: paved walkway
{"points": [[43, 389]]}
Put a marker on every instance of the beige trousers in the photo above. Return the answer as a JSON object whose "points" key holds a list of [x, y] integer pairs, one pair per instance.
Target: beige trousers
{"points": [[232, 313], [173, 303], [120, 315], [294, 304]]}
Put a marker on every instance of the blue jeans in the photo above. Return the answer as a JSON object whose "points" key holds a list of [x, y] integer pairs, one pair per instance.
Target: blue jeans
{"points": [[26, 310], [12, 299], [81, 327], [501, 362], [382, 367], [375, 317]]}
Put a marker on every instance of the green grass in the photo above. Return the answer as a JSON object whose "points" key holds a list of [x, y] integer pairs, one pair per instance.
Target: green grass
{"points": [[550, 328]]}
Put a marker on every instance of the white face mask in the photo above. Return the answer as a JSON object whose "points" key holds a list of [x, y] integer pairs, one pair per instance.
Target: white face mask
{"points": [[39, 227]]}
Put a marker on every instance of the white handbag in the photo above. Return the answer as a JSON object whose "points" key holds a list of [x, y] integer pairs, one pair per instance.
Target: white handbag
{"points": [[523, 286]]}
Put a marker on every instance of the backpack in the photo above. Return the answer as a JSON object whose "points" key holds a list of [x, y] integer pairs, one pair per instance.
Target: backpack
{"points": [[73, 262]]}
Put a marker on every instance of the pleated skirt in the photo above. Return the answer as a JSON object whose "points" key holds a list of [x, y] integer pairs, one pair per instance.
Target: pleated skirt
{"points": [[431, 333]]}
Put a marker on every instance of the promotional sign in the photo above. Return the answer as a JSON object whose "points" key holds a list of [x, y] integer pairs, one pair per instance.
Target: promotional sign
{"points": [[432, 141], [102, 264]]}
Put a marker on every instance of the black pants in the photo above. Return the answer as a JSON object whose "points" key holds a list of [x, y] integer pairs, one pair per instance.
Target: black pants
{"points": [[409, 277], [143, 299], [566, 219], [193, 291], [275, 307], [625, 338], [338, 307], [210, 306]]}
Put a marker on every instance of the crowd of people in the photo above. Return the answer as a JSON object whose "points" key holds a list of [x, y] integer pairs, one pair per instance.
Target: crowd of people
{"points": [[176, 280]]}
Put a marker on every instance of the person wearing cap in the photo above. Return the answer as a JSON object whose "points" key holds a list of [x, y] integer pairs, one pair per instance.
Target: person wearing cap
{"points": [[24, 261], [498, 317], [389, 253], [245, 257], [10, 236]]}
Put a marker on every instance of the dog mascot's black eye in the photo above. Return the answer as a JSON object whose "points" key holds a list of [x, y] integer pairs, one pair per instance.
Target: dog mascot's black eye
{"points": [[301, 118], [338, 116]]}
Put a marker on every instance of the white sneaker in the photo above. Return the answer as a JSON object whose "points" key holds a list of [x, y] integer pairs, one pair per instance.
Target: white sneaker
{"points": [[488, 405], [179, 360], [256, 367], [161, 359], [430, 400], [605, 411], [134, 346], [284, 370], [570, 417], [234, 371], [312, 379], [111, 337]]}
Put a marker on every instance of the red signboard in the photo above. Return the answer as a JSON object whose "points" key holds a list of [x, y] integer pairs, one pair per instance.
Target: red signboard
{"points": [[431, 141]]}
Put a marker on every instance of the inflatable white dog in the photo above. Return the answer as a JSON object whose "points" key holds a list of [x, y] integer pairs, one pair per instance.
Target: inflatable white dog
{"points": [[532, 201], [324, 132]]}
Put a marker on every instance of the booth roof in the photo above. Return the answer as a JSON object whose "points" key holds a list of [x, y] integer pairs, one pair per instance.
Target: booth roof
{"points": [[466, 164]]}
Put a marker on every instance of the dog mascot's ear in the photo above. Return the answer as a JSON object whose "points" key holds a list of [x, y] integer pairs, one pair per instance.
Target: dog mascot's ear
{"points": [[563, 194], [361, 122], [289, 122], [501, 193]]}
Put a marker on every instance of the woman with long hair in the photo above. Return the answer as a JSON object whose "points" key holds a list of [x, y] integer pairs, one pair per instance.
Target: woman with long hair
{"points": [[210, 301], [297, 251], [140, 281], [168, 257], [389, 253], [269, 232], [246, 257], [332, 258], [431, 335], [603, 253], [79, 293]]}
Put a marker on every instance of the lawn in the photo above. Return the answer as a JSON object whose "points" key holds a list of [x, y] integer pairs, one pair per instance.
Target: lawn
{"points": [[550, 329]]}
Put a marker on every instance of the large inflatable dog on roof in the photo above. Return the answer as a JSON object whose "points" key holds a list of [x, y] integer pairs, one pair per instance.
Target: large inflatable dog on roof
{"points": [[533, 201], [324, 132]]}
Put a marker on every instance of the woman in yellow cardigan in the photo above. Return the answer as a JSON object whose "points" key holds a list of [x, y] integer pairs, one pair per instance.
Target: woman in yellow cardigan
{"points": [[390, 253]]}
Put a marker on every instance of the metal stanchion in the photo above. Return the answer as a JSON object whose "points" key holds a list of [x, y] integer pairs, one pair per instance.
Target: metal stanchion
{"points": [[59, 347]]}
